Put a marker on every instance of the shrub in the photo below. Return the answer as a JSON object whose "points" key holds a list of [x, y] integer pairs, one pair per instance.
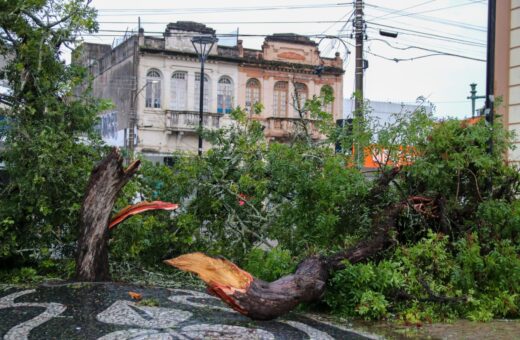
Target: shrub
{"points": [[269, 265]]}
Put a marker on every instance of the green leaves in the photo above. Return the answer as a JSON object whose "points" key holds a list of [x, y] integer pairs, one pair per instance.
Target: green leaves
{"points": [[269, 265], [50, 144], [490, 282]]}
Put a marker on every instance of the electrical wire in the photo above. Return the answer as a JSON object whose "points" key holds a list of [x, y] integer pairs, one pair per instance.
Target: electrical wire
{"points": [[163, 11], [444, 46], [429, 28], [428, 35], [433, 10], [433, 19], [188, 35], [333, 22], [404, 9], [331, 43], [401, 30], [420, 57], [426, 49]]}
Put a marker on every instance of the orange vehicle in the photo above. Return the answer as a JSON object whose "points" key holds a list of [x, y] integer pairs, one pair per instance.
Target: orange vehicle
{"points": [[376, 156]]}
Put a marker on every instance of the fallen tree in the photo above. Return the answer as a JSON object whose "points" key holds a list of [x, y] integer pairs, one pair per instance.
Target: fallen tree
{"points": [[427, 214], [261, 300], [250, 296]]}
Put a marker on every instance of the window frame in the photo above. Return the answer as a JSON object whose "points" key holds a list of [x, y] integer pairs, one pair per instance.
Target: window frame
{"points": [[253, 94], [225, 98], [206, 105], [280, 101], [179, 91], [301, 93], [329, 107], [153, 89]]}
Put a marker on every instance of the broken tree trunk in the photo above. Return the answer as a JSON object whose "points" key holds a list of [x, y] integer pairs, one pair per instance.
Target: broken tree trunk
{"points": [[261, 300], [106, 180]]}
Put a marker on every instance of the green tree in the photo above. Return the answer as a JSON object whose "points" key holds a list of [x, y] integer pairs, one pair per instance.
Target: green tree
{"points": [[50, 144]]}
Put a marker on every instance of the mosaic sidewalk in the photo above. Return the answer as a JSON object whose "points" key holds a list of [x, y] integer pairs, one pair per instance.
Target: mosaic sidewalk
{"points": [[107, 312]]}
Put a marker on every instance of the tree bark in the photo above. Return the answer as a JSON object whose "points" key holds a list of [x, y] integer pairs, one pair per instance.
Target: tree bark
{"points": [[106, 180]]}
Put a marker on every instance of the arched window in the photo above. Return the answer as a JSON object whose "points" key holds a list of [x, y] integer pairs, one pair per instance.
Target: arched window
{"points": [[224, 95], [207, 92], [327, 92], [178, 87], [153, 89], [300, 96], [280, 99], [252, 94]]}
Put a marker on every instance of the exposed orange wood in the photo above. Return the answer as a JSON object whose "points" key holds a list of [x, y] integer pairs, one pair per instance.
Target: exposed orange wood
{"points": [[139, 208]]}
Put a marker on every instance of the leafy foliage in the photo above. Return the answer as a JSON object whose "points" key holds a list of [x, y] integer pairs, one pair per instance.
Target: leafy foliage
{"points": [[457, 253], [269, 265], [411, 282], [50, 144]]}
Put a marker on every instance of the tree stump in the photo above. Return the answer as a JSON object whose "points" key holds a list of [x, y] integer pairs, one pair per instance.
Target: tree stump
{"points": [[106, 181]]}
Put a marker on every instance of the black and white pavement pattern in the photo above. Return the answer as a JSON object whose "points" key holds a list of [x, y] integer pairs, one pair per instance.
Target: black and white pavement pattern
{"points": [[107, 312]]}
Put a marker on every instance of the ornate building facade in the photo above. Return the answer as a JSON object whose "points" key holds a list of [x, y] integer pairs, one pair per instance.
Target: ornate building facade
{"points": [[154, 85]]}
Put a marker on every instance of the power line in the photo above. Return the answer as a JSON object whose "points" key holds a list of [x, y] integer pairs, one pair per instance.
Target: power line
{"points": [[428, 28], [428, 35], [332, 42], [213, 9], [404, 9], [433, 10], [441, 45], [163, 11], [401, 30], [428, 50], [314, 35], [435, 19], [232, 22], [420, 56], [340, 20]]}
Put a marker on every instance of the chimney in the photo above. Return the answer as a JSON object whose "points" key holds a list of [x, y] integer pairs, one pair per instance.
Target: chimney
{"points": [[240, 48]]}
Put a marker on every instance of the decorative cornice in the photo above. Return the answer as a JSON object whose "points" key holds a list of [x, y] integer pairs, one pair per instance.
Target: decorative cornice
{"points": [[260, 63]]}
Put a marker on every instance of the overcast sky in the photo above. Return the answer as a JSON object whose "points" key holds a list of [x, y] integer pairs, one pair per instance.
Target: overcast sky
{"points": [[448, 26]]}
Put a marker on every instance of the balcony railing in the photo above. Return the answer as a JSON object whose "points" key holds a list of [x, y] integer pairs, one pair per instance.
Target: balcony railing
{"points": [[285, 127], [189, 120]]}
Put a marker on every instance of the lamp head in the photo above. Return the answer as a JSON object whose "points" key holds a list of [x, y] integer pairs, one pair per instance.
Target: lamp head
{"points": [[203, 45]]}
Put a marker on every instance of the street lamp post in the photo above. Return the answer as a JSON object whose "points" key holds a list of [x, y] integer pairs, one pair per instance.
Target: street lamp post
{"points": [[133, 115], [203, 45]]}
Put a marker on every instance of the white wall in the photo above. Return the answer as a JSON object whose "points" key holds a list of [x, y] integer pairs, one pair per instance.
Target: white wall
{"points": [[152, 132]]}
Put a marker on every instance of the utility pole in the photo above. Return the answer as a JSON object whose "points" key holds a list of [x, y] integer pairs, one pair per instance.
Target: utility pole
{"points": [[132, 119], [490, 68], [473, 97], [359, 32]]}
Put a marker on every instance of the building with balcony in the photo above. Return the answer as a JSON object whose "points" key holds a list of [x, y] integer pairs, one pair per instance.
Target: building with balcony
{"points": [[282, 75], [154, 85]]}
